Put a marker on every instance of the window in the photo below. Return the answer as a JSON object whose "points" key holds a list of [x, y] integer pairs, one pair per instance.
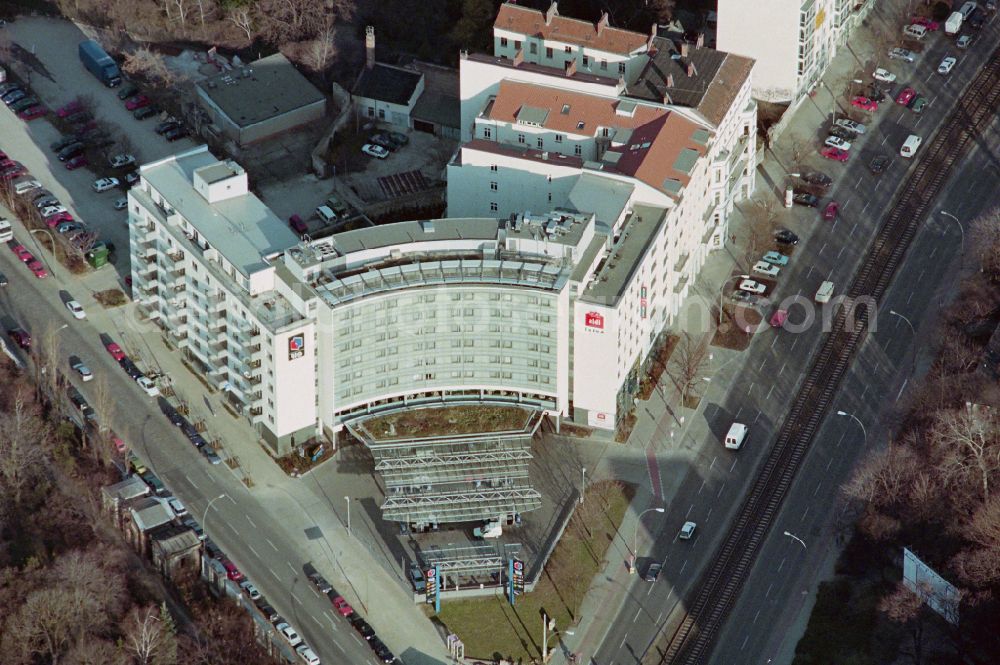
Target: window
{"points": [[503, 42], [586, 61], [569, 49], [559, 138], [550, 197], [517, 45], [493, 186], [487, 132], [493, 167], [381, 114], [540, 143], [621, 67], [371, 112], [604, 65], [493, 206], [533, 48], [578, 150], [548, 52], [520, 138]]}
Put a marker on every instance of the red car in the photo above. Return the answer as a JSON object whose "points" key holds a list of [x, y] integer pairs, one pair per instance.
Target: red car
{"points": [[835, 153], [69, 109], [137, 102], [76, 162], [20, 337], [926, 22], [232, 572], [57, 219], [13, 172], [906, 96], [33, 112], [118, 444], [864, 104], [22, 253], [115, 350], [341, 606], [830, 211], [297, 224], [778, 318], [36, 267]]}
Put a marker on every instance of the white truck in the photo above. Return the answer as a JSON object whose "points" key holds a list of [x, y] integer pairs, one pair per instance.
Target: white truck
{"points": [[953, 24]]}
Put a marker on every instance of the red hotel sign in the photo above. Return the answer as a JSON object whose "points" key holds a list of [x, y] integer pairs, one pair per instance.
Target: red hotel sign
{"points": [[593, 320]]}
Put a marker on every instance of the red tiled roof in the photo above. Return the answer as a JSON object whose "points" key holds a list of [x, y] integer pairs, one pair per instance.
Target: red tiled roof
{"points": [[591, 110], [531, 22], [658, 136]]}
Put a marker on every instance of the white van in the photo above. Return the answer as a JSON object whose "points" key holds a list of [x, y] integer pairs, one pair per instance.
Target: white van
{"points": [[25, 186], [825, 292], [326, 213], [910, 146], [736, 435], [6, 233], [915, 31], [967, 9]]}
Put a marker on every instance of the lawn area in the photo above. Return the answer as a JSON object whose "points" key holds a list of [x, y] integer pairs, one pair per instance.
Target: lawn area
{"points": [[491, 627], [446, 421]]}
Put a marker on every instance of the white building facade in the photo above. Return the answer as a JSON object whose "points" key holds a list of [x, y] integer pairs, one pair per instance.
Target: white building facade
{"points": [[793, 41]]}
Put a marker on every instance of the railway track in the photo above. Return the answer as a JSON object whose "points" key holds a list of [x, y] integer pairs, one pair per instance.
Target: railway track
{"points": [[692, 640]]}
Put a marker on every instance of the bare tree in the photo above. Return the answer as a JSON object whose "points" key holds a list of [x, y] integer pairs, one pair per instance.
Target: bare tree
{"points": [[105, 404], [762, 222], [883, 478], [152, 65], [46, 625], [969, 445], [148, 638], [243, 18], [21, 456], [48, 356], [904, 607], [686, 364], [321, 51]]}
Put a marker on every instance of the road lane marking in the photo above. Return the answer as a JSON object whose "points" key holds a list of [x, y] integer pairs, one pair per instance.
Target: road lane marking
{"points": [[781, 565], [816, 491], [933, 251], [275, 574], [733, 466], [292, 568], [750, 389], [689, 511], [251, 521], [810, 271], [782, 368], [884, 139], [271, 544], [296, 599], [854, 228], [744, 645], [758, 417], [794, 342], [738, 412], [318, 623], [909, 298], [828, 463], [773, 342], [707, 516], [702, 486], [769, 392], [841, 251], [357, 639], [720, 491], [623, 641], [712, 465], [683, 567], [188, 478], [253, 550], [659, 617], [762, 363], [234, 529], [822, 248], [901, 389], [231, 499], [866, 207], [770, 586], [806, 512], [637, 613], [755, 617]]}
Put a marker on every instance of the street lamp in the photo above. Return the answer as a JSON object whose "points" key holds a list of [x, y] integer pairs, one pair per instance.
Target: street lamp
{"points": [[204, 520], [796, 539], [961, 230], [348, 500], [583, 483], [53, 243], [860, 424], [635, 539], [913, 332]]}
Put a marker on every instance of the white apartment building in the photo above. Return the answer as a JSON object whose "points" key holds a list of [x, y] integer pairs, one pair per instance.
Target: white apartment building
{"points": [[792, 41]]}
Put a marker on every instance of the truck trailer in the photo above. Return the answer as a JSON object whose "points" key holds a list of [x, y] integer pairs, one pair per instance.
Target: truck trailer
{"points": [[953, 24], [99, 63]]}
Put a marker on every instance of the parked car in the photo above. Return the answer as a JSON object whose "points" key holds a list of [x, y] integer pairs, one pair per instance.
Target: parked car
{"points": [[121, 203], [341, 605], [138, 102], [902, 54], [175, 134], [965, 41], [830, 211], [232, 572], [20, 337], [417, 578], [786, 237], [27, 102], [360, 625], [145, 112], [297, 224], [778, 318], [211, 455], [373, 150], [76, 309], [115, 350], [766, 269], [751, 286], [79, 117], [777, 258], [82, 370], [320, 582], [878, 164], [918, 104], [76, 162], [289, 633], [63, 142], [398, 139], [884, 75], [166, 126], [148, 386], [806, 199], [841, 133], [70, 151], [128, 90], [850, 125], [382, 140], [176, 506], [835, 154], [947, 65], [131, 178], [687, 531], [69, 227], [250, 590], [905, 96], [864, 103], [307, 655], [37, 268], [121, 161], [69, 108], [653, 571], [104, 184]]}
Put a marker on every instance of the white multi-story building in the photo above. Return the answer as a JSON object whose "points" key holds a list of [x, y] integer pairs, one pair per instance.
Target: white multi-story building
{"points": [[793, 41]]}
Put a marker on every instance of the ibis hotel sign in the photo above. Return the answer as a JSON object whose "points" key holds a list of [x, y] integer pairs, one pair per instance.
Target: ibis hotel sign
{"points": [[593, 320]]}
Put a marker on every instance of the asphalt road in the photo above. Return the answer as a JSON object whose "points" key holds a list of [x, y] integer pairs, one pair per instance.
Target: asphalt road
{"points": [[773, 369], [259, 545]]}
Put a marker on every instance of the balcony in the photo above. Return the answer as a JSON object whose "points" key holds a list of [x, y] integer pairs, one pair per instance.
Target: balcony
{"points": [[175, 257], [149, 274], [254, 380], [179, 335], [180, 288], [150, 289], [256, 411], [218, 326], [177, 272], [252, 364], [255, 398]]}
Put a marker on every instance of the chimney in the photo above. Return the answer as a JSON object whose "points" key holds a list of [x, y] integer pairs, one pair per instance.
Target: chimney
{"points": [[602, 23], [685, 48], [691, 71], [519, 57], [569, 68], [553, 11], [370, 46], [699, 40]]}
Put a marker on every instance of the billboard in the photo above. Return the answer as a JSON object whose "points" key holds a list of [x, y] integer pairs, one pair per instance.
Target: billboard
{"points": [[594, 320], [431, 593], [939, 594], [296, 346], [517, 577]]}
